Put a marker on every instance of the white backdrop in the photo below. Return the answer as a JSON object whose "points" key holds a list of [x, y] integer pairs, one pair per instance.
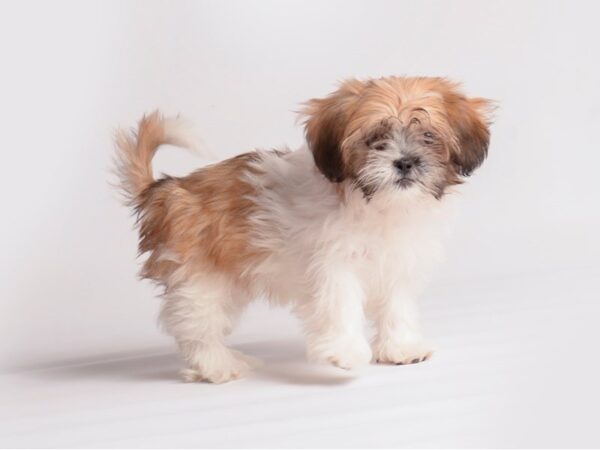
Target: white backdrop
{"points": [[72, 71]]}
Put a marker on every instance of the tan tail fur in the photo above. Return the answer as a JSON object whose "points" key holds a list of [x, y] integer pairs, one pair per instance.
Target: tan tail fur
{"points": [[135, 150]]}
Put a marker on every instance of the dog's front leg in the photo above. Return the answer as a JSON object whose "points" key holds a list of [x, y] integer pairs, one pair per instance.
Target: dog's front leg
{"points": [[398, 338], [333, 317]]}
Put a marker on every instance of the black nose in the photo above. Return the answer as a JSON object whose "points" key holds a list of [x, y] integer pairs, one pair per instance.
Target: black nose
{"points": [[405, 164]]}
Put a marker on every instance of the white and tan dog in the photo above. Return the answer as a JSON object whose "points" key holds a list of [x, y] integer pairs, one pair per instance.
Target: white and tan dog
{"points": [[345, 228]]}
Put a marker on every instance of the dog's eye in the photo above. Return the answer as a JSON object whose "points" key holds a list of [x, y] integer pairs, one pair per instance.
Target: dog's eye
{"points": [[378, 146], [429, 137]]}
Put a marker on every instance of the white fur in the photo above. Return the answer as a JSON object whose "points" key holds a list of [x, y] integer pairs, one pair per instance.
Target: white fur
{"points": [[182, 133], [339, 259]]}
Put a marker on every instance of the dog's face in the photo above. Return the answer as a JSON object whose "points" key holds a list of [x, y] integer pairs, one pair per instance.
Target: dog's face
{"points": [[398, 133]]}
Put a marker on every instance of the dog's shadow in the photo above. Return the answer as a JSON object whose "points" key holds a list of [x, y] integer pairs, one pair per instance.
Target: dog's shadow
{"points": [[282, 362]]}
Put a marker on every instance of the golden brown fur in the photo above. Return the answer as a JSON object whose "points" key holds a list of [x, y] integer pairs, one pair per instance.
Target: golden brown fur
{"points": [[134, 155], [340, 126], [196, 222]]}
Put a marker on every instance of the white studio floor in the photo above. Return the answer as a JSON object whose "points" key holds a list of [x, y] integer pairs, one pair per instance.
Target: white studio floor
{"points": [[516, 366]]}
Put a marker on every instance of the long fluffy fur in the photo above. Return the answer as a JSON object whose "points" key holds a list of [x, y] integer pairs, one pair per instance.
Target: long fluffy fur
{"points": [[335, 228], [135, 150]]}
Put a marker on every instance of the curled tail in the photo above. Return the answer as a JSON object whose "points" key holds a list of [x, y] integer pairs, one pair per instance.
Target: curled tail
{"points": [[135, 150]]}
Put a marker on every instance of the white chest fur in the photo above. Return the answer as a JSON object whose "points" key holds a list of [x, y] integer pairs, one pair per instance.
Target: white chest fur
{"points": [[311, 227]]}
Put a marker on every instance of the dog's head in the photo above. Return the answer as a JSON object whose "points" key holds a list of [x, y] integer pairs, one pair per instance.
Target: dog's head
{"points": [[398, 133]]}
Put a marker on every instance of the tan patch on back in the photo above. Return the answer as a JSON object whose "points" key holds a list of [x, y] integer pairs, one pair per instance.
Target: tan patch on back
{"points": [[200, 221]]}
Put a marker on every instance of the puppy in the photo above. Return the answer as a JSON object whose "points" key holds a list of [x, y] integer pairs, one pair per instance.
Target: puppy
{"points": [[346, 228]]}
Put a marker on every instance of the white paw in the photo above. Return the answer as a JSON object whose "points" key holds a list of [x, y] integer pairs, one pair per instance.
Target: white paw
{"points": [[220, 368], [401, 353], [345, 352]]}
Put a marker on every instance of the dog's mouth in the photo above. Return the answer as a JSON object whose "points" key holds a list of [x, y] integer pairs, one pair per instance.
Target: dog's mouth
{"points": [[405, 182]]}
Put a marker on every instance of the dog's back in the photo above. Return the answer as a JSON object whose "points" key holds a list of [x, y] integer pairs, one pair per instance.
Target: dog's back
{"points": [[192, 223]]}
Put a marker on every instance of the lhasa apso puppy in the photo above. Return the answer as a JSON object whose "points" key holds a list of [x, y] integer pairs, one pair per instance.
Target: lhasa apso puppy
{"points": [[346, 228]]}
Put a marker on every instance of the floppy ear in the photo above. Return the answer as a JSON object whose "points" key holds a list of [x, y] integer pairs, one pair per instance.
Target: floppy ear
{"points": [[469, 120], [325, 126]]}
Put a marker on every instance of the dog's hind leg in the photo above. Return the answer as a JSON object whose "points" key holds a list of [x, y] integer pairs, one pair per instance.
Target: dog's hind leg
{"points": [[199, 314]]}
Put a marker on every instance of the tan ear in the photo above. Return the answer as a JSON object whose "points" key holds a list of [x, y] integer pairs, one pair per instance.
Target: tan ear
{"points": [[469, 118], [325, 127]]}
